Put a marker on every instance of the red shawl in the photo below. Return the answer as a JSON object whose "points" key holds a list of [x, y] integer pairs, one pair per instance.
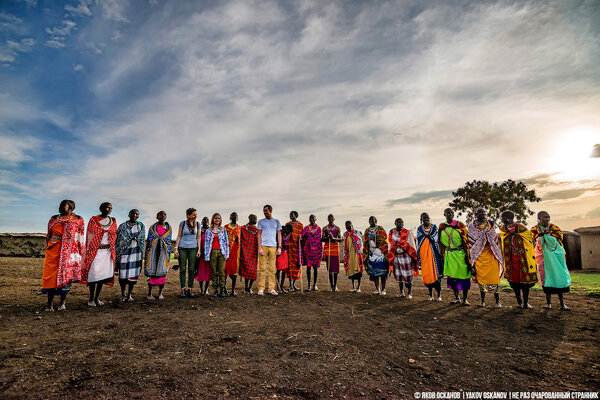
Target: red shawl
{"points": [[92, 242], [404, 245], [71, 248]]}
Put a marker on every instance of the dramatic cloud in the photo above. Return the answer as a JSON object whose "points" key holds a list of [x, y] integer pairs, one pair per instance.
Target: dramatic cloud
{"points": [[357, 108]]}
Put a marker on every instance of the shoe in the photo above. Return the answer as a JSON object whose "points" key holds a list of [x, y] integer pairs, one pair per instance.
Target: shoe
{"points": [[439, 299], [130, 298], [62, 307], [455, 301], [466, 303], [315, 288], [335, 289], [409, 296], [223, 293], [123, 299], [430, 298], [357, 290], [565, 308], [150, 297], [482, 304], [47, 309], [383, 293], [498, 305], [99, 303], [233, 294], [182, 294], [261, 293], [274, 292], [215, 294], [161, 297], [376, 293], [190, 294], [91, 304], [352, 290], [250, 292]]}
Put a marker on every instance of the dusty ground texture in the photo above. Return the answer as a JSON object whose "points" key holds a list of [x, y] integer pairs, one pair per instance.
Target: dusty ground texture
{"points": [[316, 345]]}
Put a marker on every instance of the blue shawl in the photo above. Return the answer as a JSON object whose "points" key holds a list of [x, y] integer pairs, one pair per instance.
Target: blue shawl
{"points": [[435, 247]]}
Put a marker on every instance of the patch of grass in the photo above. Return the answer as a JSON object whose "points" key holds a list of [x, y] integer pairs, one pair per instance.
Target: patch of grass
{"points": [[587, 283]]}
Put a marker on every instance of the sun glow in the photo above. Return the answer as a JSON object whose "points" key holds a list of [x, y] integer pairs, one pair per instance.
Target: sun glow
{"points": [[572, 156]]}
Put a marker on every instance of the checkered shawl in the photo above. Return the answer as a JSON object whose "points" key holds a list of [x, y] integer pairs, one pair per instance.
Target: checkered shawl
{"points": [[248, 252], [132, 246]]}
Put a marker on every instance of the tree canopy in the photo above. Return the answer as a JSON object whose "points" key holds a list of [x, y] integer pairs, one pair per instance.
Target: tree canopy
{"points": [[494, 198]]}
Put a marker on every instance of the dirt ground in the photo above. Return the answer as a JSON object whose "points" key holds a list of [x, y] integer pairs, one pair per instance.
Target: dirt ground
{"points": [[316, 345]]}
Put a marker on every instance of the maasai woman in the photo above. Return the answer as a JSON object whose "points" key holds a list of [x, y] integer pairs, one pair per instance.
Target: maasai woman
{"points": [[282, 263], [203, 275], [428, 254], [187, 250], [249, 253], [294, 252], [158, 253], [454, 250], [216, 250], [353, 255], [100, 254], [332, 236], [519, 257], [131, 241], [402, 256], [375, 250], [486, 256], [64, 254], [550, 259], [312, 249], [231, 266]]}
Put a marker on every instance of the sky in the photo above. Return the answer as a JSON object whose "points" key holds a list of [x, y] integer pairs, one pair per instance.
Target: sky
{"points": [[347, 107]]}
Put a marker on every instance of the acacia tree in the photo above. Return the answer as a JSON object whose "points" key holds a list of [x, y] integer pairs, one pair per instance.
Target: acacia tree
{"points": [[494, 198]]}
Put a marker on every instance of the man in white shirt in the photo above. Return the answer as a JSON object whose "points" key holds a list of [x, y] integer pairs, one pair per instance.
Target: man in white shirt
{"points": [[269, 247]]}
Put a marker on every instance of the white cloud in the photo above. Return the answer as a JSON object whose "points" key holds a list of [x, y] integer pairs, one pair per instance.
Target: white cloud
{"points": [[30, 3], [81, 10], [13, 24], [25, 45], [56, 42], [9, 51], [114, 9], [18, 110], [78, 67], [62, 30], [116, 36], [17, 148]]}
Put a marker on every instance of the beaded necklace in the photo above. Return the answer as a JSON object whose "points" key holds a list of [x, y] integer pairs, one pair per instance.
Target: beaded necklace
{"points": [[104, 226]]}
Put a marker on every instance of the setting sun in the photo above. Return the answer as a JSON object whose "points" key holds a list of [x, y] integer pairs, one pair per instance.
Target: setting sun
{"points": [[573, 153]]}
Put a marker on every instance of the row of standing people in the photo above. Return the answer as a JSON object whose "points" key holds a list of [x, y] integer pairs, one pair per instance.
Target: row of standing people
{"points": [[210, 252]]}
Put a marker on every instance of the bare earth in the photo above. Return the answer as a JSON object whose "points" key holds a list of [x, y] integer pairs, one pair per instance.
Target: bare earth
{"points": [[316, 345]]}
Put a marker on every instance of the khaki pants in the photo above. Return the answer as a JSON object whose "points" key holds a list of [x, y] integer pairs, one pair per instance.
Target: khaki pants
{"points": [[269, 256]]}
